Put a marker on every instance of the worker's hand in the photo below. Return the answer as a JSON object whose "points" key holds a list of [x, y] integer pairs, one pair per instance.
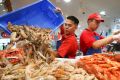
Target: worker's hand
{"points": [[116, 37], [58, 10]]}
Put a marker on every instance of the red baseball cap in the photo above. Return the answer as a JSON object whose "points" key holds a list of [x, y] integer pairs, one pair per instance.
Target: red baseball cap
{"points": [[95, 16]]}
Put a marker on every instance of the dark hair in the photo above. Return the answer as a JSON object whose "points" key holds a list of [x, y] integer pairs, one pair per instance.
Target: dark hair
{"points": [[74, 19]]}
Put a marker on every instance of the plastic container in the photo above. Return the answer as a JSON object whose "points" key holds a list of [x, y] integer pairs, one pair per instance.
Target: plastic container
{"points": [[39, 14]]}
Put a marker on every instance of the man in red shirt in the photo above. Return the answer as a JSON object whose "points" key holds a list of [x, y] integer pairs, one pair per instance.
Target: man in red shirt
{"points": [[90, 41], [69, 45]]}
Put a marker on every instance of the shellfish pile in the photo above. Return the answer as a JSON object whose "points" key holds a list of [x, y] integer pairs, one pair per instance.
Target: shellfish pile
{"points": [[34, 41]]}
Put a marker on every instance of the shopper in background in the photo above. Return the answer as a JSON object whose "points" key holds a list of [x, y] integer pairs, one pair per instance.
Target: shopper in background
{"points": [[90, 41], [69, 45]]}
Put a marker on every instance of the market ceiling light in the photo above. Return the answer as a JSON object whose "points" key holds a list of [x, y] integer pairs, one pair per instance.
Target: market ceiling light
{"points": [[79, 26], [4, 10], [103, 13], [67, 1], [0, 1]]}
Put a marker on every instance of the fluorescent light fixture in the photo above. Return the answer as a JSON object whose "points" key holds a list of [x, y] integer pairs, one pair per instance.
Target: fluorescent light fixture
{"points": [[67, 1], [3, 10], [79, 26], [103, 13], [0, 1]]}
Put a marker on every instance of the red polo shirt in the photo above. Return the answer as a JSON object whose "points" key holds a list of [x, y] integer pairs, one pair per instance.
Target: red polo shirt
{"points": [[69, 47], [87, 39]]}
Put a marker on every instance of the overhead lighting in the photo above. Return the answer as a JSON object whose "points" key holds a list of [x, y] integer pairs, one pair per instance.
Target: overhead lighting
{"points": [[79, 26], [103, 13], [66, 15], [4, 10], [67, 1], [0, 1]]}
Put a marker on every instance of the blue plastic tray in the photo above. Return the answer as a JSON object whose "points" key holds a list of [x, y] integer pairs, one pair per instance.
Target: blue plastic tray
{"points": [[39, 14]]}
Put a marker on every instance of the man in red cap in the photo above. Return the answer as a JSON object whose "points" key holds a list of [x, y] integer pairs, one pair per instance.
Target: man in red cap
{"points": [[90, 41]]}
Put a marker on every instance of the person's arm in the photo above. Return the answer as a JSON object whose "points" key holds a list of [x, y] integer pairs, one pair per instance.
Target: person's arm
{"points": [[62, 30], [102, 42], [99, 43]]}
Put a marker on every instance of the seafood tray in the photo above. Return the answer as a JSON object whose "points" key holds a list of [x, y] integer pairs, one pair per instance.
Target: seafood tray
{"points": [[70, 60], [79, 57], [28, 15], [103, 66], [43, 71], [66, 60]]}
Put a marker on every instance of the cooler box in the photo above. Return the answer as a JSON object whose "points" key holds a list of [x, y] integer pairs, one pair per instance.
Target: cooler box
{"points": [[39, 14]]}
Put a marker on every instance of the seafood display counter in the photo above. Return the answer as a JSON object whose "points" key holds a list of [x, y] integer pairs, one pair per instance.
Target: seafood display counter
{"points": [[41, 70], [94, 67], [103, 66], [34, 59]]}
